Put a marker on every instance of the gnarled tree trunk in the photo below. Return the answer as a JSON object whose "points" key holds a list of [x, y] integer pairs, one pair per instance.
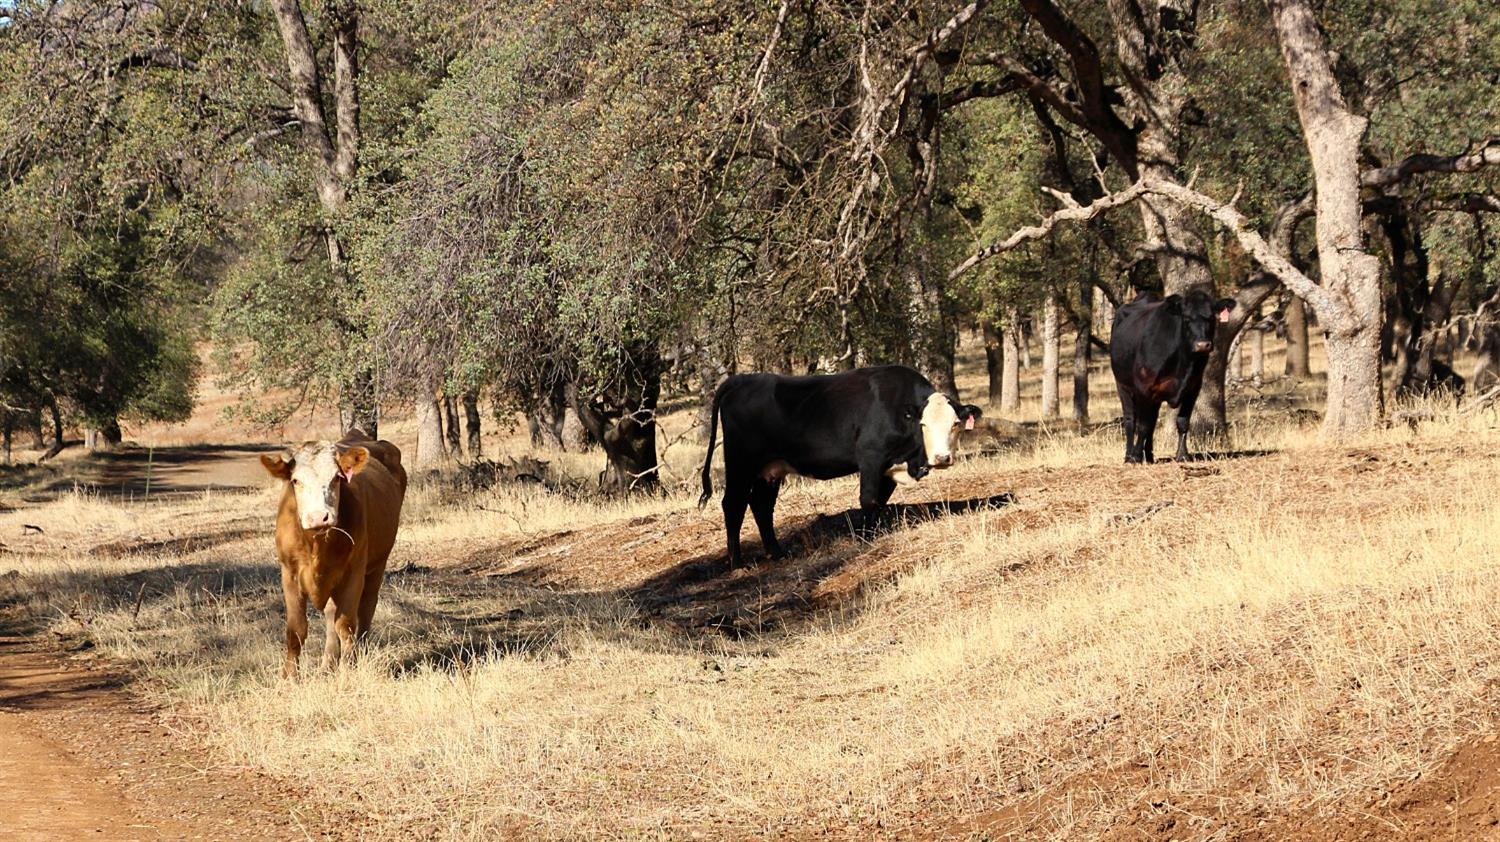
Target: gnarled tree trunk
{"points": [[623, 419]]}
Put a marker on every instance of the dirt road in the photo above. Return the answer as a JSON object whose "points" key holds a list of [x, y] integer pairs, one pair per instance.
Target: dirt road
{"points": [[82, 757]]}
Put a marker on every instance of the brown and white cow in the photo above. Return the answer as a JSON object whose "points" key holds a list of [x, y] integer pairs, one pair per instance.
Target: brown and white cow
{"points": [[339, 511]]}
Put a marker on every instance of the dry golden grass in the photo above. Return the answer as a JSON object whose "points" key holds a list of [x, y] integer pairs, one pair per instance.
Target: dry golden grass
{"points": [[1295, 628]]}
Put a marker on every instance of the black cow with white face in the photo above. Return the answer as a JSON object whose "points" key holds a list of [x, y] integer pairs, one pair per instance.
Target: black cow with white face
{"points": [[887, 424], [1158, 350]]}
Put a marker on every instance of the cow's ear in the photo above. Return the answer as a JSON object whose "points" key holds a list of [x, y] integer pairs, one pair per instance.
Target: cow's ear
{"points": [[1223, 307], [352, 461], [278, 466]]}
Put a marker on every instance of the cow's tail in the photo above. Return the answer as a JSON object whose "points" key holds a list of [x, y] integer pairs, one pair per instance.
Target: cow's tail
{"points": [[708, 458]]}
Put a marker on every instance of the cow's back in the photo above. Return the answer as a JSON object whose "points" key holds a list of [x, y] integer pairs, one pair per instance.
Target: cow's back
{"points": [[378, 493]]}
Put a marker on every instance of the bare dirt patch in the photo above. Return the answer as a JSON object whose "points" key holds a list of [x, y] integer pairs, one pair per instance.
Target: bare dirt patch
{"points": [[81, 756]]}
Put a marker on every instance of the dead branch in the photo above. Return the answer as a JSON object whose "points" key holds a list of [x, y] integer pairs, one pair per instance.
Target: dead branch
{"points": [[1071, 212], [1486, 154]]}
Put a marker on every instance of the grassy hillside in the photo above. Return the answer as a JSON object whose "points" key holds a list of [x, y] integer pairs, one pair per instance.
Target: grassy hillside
{"points": [[1177, 650]]}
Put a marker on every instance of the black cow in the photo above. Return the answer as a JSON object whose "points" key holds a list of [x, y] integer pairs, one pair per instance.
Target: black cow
{"points": [[1158, 350], [885, 423]]}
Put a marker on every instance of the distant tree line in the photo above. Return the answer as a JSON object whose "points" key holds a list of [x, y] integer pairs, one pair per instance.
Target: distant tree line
{"points": [[575, 209]]}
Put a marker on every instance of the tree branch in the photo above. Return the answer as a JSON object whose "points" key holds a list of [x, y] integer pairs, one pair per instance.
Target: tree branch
{"points": [[1487, 154], [1321, 299], [1071, 212]]}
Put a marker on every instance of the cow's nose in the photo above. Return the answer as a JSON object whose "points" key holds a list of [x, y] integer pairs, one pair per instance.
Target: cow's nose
{"points": [[1203, 346], [942, 461], [319, 519]]}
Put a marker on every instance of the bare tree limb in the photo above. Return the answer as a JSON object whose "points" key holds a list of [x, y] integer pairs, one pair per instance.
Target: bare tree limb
{"points": [[1072, 212], [1485, 155], [1321, 299]]}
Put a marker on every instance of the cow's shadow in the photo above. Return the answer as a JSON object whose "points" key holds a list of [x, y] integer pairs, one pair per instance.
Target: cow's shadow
{"points": [[704, 594], [1214, 456]]}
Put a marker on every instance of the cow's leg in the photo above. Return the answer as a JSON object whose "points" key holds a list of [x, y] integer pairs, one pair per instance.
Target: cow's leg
{"points": [[763, 505], [736, 498], [1184, 420], [296, 619], [1146, 415], [1127, 420], [886, 489], [368, 598], [341, 617], [871, 504]]}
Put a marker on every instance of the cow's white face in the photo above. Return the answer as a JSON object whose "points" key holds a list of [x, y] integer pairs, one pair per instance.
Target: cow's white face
{"points": [[939, 430], [317, 473]]}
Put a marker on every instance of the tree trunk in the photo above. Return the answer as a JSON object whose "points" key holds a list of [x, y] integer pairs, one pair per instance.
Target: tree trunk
{"points": [[471, 424], [429, 434], [932, 337], [57, 431], [1010, 351], [545, 416], [336, 163], [7, 428], [359, 397], [994, 361], [1296, 339], [38, 438], [1049, 356], [1257, 353], [1081, 350], [1349, 272], [1023, 343], [453, 444], [624, 421]]}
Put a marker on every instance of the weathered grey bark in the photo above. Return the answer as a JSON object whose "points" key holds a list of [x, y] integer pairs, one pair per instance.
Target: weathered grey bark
{"points": [[450, 427], [1010, 371], [429, 434], [575, 436], [1295, 321], [932, 336], [1333, 134], [1049, 356], [336, 164], [475, 435]]}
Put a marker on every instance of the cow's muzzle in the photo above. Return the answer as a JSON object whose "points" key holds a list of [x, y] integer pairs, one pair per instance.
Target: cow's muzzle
{"points": [[1203, 346], [942, 461], [318, 522]]}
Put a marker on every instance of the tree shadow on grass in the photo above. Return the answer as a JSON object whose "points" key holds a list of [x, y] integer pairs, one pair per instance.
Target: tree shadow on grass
{"points": [[703, 594]]}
